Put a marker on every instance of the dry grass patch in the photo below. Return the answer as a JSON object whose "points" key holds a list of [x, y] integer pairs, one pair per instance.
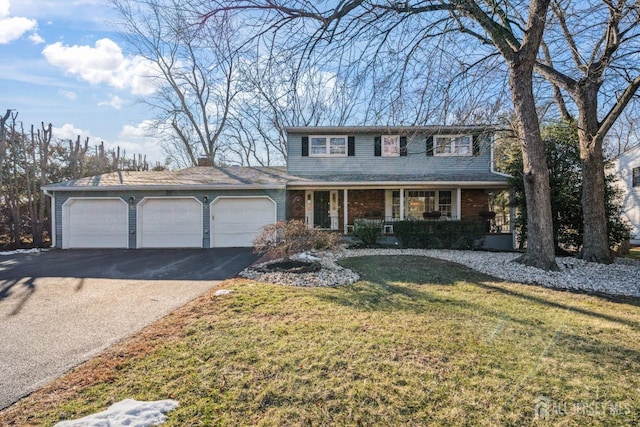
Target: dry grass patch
{"points": [[418, 342]]}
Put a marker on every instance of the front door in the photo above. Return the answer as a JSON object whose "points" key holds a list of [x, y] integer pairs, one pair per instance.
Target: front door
{"points": [[321, 218]]}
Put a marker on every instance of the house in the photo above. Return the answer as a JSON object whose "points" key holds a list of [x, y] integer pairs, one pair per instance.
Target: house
{"points": [[334, 175], [627, 167]]}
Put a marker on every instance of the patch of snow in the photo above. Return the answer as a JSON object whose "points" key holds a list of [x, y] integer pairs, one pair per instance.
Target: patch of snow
{"points": [[305, 256], [128, 412], [23, 251], [221, 292]]}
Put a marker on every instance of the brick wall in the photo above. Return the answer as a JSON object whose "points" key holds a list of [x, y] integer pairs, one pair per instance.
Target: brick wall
{"points": [[365, 203], [473, 201]]}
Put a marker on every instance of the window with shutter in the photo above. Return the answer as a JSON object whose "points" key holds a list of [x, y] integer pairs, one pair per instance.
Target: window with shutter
{"points": [[452, 145], [327, 145]]}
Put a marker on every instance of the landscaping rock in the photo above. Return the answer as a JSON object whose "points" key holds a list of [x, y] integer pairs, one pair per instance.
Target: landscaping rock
{"points": [[574, 274]]}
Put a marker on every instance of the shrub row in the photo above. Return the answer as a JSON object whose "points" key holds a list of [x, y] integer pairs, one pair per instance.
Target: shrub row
{"points": [[439, 234]]}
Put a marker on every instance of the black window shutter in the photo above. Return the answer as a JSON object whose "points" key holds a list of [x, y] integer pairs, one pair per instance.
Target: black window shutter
{"points": [[352, 146], [305, 146], [430, 145], [403, 145], [476, 145], [377, 146]]}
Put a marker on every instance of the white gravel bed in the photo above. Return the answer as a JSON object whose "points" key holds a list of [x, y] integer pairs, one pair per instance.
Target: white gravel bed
{"points": [[330, 275], [574, 274]]}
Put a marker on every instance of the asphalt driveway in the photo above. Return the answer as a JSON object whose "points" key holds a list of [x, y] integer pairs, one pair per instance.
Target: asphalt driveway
{"points": [[59, 308]]}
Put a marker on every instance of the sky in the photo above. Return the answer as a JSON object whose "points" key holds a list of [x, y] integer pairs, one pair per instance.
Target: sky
{"points": [[63, 62]]}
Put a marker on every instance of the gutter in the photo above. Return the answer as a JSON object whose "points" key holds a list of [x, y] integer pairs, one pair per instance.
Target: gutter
{"points": [[164, 187], [395, 184], [493, 163]]}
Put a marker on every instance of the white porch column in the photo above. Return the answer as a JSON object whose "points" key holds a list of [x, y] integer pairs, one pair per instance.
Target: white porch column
{"points": [[459, 203], [402, 203], [345, 207], [308, 208]]}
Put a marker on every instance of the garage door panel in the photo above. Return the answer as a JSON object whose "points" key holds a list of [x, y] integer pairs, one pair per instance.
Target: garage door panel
{"points": [[95, 223], [170, 223], [236, 222]]}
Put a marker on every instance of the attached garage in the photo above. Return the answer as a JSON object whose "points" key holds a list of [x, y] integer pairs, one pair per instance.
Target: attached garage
{"points": [[169, 222], [95, 223], [236, 221]]}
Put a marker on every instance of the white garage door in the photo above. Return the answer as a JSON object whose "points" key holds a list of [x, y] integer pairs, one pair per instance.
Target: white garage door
{"points": [[237, 221], [95, 223], [170, 222]]}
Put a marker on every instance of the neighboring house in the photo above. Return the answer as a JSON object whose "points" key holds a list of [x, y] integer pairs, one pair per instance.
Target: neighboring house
{"points": [[627, 166], [334, 175]]}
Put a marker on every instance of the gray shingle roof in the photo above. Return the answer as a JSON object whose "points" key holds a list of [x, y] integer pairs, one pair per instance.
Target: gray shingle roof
{"points": [[237, 177], [195, 177]]}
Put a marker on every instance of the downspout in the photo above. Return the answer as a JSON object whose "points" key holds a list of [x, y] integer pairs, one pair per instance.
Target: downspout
{"points": [[53, 216], [493, 161]]}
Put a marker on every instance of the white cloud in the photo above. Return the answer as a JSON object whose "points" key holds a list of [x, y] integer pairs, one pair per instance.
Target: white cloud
{"points": [[69, 131], [36, 38], [13, 28], [4, 8], [115, 102], [132, 140], [71, 96], [142, 139], [104, 64]]}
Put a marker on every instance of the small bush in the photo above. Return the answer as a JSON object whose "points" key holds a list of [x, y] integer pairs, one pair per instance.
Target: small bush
{"points": [[368, 231], [439, 234], [287, 238]]}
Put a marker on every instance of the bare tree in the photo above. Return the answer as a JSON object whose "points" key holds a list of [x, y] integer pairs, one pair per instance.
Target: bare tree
{"points": [[195, 67], [594, 46], [273, 94]]}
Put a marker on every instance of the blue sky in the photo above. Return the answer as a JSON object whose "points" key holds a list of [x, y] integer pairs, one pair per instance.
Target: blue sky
{"points": [[62, 62]]}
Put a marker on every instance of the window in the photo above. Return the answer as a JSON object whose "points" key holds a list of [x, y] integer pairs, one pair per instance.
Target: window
{"points": [[454, 145], [419, 201], [636, 177], [328, 145], [444, 203], [390, 146]]}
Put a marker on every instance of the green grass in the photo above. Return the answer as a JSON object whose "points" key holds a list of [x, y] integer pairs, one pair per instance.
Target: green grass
{"points": [[634, 253], [417, 342]]}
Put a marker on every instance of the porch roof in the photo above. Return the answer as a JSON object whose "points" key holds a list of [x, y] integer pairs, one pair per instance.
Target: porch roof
{"points": [[476, 180]]}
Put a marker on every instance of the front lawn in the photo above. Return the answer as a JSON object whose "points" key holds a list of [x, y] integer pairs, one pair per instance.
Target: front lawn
{"points": [[417, 342]]}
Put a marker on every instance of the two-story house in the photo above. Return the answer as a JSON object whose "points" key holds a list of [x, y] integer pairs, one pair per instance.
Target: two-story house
{"points": [[334, 175]]}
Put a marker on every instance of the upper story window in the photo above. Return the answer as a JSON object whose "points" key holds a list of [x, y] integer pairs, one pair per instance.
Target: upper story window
{"points": [[328, 146], [636, 177], [453, 145], [391, 146]]}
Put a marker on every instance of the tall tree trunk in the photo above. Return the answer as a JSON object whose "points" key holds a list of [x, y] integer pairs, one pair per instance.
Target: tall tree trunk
{"points": [[540, 246], [595, 245]]}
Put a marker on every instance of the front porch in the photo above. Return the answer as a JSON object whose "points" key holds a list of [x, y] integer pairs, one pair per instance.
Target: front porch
{"points": [[337, 209]]}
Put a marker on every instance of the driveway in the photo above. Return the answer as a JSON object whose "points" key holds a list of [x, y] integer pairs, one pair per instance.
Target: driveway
{"points": [[60, 308]]}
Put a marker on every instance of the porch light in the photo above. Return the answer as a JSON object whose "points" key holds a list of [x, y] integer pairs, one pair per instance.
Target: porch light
{"points": [[132, 199], [205, 199]]}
